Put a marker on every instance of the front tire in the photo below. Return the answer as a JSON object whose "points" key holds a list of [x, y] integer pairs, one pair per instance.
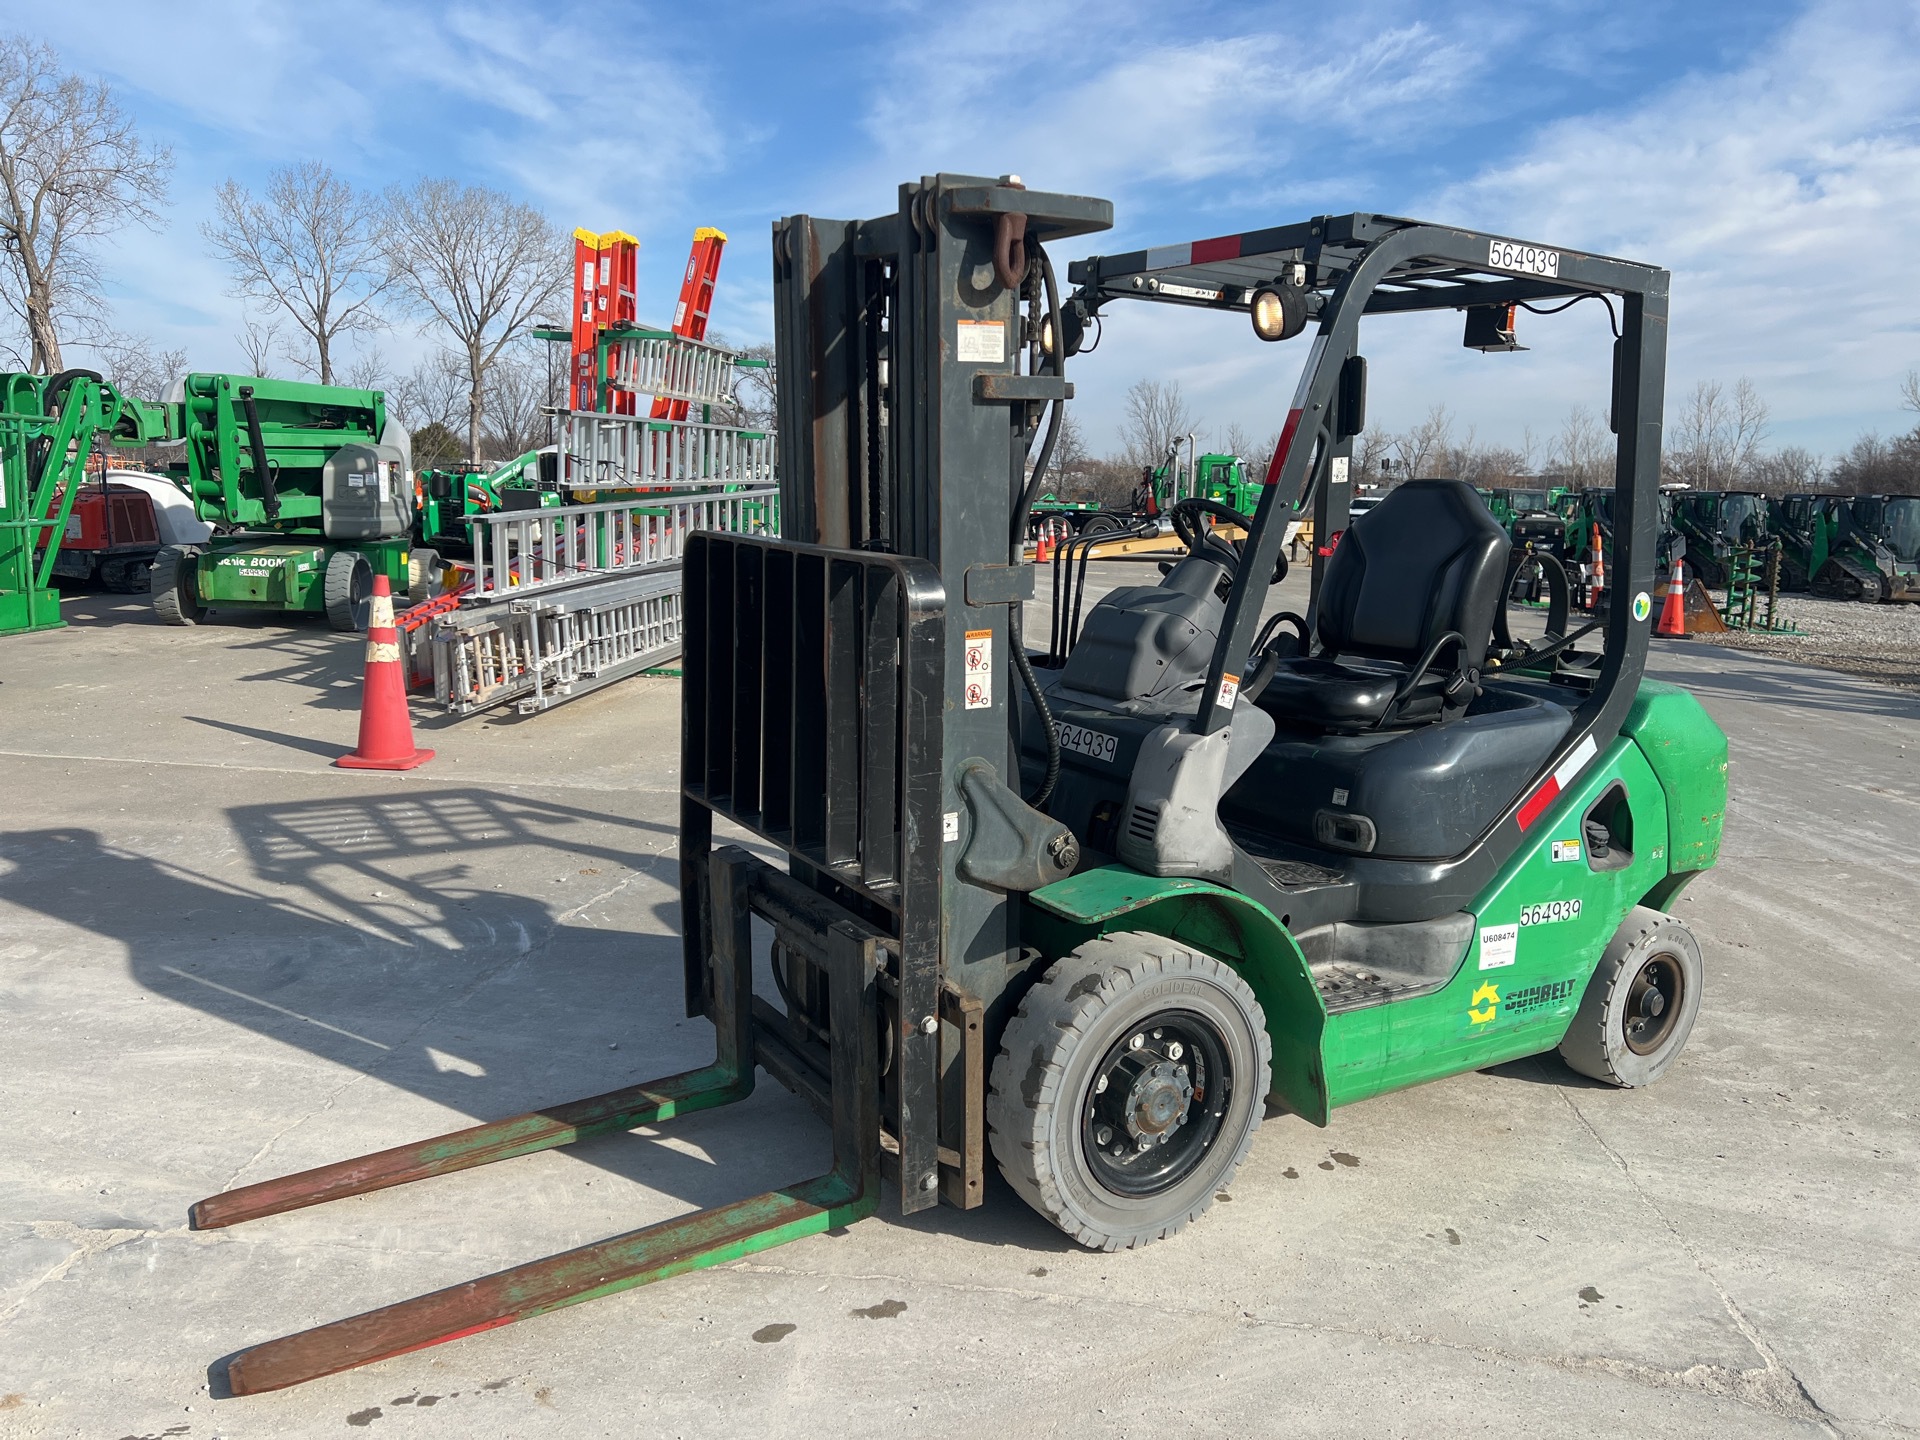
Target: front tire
{"points": [[1128, 1088], [349, 590], [173, 586], [1640, 1004]]}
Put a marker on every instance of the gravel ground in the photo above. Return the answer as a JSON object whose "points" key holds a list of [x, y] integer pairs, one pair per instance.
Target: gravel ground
{"points": [[1877, 642]]}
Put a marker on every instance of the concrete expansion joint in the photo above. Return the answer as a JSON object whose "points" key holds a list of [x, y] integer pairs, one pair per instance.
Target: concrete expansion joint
{"points": [[1773, 1386], [84, 1242]]}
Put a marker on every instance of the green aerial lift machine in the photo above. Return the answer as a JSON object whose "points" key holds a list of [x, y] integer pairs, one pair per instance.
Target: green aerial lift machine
{"points": [[49, 426], [310, 492], [1095, 918]]}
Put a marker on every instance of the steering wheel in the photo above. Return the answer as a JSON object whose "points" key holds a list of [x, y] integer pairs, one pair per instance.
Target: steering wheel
{"points": [[1186, 524]]}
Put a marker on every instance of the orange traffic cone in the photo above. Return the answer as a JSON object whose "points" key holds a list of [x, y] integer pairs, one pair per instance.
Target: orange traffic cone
{"points": [[386, 729], [1673, 610], [1043, 548]]}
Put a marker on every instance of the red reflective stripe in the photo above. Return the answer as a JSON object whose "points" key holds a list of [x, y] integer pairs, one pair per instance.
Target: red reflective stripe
{"points": [[1538, 802], [1226, 247], [1279, 460]]}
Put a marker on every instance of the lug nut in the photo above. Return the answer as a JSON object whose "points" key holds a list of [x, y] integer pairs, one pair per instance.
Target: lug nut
{"points": [[1103, 1135], [1100, 1086], [1176, 1050], [1136, 1042]]}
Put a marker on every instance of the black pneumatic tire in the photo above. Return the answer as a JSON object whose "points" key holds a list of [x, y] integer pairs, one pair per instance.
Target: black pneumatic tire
{"points": [[349, 591], [1074, 1025], [423, 574], [176, 598], [1640, 1004]]}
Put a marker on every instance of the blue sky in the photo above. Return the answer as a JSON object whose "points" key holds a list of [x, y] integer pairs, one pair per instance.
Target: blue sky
{"points": [[1768, 153]]}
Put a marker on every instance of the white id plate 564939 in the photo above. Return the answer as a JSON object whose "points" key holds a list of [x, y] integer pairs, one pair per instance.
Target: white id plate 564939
{"points": [[1527, 259]]}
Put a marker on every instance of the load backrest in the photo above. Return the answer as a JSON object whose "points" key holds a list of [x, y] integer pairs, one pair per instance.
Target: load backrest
{"points": [[1429, 558]]}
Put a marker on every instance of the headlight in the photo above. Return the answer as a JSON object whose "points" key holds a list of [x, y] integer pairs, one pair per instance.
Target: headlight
{"points": [[1279, 311]]}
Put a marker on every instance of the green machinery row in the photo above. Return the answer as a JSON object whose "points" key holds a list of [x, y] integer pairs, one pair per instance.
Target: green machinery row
{"points": [[1847, 547], [1221, 478], [308, 490]]}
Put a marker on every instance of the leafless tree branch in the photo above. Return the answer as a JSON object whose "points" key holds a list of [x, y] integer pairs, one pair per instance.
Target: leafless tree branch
{"points": [[72, 169], [480, 264]]}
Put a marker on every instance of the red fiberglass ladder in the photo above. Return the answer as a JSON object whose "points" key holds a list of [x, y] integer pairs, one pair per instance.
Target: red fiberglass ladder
{"points": [[696, 301], [605, 295]]}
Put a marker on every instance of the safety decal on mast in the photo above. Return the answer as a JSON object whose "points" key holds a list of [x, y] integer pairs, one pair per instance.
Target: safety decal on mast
{"points": [[1563, 775], [979, 670]]}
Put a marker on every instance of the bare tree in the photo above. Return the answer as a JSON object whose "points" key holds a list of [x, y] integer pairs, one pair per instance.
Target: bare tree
{"points": [[1790, 470], [1716, 435], [1237, 441], [480, 263], [256, 344], [1156, 416], [432, 393], [1067, 471], [1581, 454], [313, 246], [135, 365], [1425, 445], [1910, 391], [756, 390], [72, 169], [521, 386]]}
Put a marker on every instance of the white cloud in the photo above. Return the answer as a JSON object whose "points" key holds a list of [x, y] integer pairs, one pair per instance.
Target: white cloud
{"points": [[1783, 196]]}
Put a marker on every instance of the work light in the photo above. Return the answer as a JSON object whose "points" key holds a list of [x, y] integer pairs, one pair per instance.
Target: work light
{"points": [[1279, 311]]}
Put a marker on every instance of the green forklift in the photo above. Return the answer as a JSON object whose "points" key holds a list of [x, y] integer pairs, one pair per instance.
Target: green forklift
{"points": [[309, 489], [1093, 921]]}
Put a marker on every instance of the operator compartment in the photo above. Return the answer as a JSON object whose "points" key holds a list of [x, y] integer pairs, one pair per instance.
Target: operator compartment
{"points": [[1427, 792]]}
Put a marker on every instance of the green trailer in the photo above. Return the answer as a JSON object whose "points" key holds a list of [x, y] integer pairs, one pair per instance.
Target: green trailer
{"points": [[309, 488]]}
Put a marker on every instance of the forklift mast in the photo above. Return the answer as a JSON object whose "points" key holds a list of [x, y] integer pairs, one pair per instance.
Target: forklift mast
{"points": [[912, 389]]}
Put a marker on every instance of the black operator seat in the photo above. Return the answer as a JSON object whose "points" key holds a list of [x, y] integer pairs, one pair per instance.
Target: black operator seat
{"points": [[1406, 615]]}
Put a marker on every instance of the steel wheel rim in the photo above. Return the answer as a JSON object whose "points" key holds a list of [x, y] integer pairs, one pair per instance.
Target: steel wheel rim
{"points": [[1168, 1084], [1655, 997]]}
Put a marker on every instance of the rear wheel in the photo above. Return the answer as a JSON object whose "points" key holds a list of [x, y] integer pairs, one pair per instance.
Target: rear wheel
{"points": [[349, 590], [1127, 1089], [172, 584], [423, 574], [1640, 1004]]}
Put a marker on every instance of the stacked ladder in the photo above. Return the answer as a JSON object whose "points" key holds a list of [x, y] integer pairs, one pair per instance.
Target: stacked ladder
{"points": [[563, 600]]}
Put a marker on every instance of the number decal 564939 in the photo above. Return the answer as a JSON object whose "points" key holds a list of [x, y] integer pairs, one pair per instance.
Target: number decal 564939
{"points": [[1550, 911]]}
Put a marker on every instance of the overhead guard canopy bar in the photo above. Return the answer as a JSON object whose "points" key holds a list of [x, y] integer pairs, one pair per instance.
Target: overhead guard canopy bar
{"points": [[1224, 271]]}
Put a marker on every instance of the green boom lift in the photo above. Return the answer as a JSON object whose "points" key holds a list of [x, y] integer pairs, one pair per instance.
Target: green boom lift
{"points": [[48, 428], [1092, 918], [309, 488]]}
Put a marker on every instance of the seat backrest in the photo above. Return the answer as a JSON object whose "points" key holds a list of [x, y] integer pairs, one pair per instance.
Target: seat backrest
{"points": [[1427, 559]]}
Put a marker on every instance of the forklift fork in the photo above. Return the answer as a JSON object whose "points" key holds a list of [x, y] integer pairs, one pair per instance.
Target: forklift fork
{"points": [[738, 886]]}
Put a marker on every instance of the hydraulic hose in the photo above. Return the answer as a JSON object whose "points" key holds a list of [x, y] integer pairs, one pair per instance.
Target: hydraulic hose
{"points": [[256, 442], [1017, 540]]}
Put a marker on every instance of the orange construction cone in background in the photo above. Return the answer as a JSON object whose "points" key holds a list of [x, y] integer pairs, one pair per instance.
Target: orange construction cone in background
{"points": [[1043, 547], [1673, 610], [386, 729]]}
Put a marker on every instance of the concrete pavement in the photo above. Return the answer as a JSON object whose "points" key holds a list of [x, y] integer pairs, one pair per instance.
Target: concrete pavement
{"points": [[221, 960]]}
